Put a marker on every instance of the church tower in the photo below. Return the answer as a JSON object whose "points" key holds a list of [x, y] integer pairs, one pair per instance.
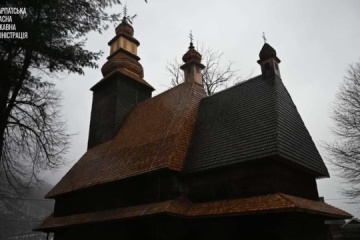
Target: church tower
{"points": [[269, 62], [192, 66], [122, 87]]}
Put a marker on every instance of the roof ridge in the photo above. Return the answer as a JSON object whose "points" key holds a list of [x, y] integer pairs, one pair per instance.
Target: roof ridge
{"points": [[235, 85], [284, 104], [162, 93], [185, 99], [308, 201], [183, 121], [353, 219], [286, 198]]}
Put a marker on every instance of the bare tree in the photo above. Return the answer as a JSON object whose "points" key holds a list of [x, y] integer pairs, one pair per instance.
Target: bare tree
{"points": [[35, 136], [32, 136], [345, 151], [216, 74]]}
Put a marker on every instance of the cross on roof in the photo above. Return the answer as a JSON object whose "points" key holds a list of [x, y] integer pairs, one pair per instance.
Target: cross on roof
{"points": [[263, 36], [191, 36], [126, 17]]}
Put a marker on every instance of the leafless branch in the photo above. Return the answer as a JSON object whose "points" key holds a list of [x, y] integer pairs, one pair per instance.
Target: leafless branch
{"points": [[217, 75], [344, 153], [35, 138]]}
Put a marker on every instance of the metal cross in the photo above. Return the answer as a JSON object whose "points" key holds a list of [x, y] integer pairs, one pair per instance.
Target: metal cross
{"points": [[191, 36], [263, 36]]}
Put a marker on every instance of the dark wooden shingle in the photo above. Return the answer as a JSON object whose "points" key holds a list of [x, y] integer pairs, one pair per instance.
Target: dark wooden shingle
{"points": [[250, 121]]}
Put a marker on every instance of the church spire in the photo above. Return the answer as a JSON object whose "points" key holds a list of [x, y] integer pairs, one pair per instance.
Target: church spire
{"points": [[122, 87], [123, 50], [192, 64]]}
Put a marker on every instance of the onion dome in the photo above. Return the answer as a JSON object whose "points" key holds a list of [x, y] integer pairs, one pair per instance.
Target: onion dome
{"points": [[191, 54], [124, 28], [123, 52], [122, 61], [267, 51]]}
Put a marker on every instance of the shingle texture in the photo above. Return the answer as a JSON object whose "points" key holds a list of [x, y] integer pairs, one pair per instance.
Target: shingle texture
{"points": [[112, 102], [154, 135], [252, 120], [273, 203]]}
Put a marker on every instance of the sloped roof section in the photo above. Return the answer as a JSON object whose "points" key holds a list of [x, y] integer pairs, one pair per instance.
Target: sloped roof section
{"points": [[252, 120], [155, 135], [144, 210], [123, 71], [294, 140], [273, 203]]}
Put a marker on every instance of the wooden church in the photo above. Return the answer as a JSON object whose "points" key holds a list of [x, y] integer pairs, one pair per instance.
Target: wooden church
{"points": [[239, 164]]}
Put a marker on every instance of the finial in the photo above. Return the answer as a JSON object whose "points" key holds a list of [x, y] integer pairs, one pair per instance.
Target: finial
{"points": [[191, 39], [263, 36], [127, 18]]}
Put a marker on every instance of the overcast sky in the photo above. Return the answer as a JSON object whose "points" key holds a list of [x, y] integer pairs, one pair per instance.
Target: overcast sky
{"points": [[315, 41]]}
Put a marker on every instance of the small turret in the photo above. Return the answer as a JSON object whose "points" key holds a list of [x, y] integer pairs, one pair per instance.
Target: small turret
{"points": [[269, 61], [192, 65]]}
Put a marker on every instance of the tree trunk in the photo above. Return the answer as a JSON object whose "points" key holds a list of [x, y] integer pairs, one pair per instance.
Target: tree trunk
{"points": [[4, 93]]}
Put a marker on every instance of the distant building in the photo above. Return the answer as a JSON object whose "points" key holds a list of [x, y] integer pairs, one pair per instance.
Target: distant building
{"points": [[334, 229], [239, 164], [343, 230], [351, 229]]}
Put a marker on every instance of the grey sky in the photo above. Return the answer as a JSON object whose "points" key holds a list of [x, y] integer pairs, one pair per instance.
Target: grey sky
{"points": [[315, 40]]}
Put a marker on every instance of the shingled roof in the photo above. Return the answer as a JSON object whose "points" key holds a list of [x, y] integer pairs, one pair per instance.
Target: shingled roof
{"points": [[273, 203], [252, 120], [155, 135]]}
